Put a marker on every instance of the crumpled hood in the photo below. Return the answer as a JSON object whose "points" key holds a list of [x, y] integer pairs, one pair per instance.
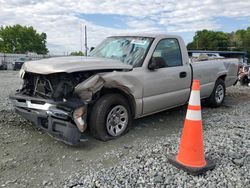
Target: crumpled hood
{"points": [[72, 64]]}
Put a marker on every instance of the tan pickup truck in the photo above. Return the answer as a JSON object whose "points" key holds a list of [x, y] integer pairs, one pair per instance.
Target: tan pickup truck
{"points": [[123, 78]]}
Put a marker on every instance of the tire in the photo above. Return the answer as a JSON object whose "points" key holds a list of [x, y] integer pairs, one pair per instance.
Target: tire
{"points": [[218, 95], [110, 117]]}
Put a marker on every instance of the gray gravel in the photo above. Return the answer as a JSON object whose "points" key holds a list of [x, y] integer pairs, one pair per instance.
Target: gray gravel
{"points": [[227, 141], [30, 158], [8, 85]]}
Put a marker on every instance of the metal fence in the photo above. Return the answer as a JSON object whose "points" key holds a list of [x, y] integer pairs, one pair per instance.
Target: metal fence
{"points": [[6, 59]]}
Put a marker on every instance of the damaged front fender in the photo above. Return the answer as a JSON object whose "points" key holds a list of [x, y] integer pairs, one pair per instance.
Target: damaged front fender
{"points": [[119, 80], [87, 88], [127, 82]]}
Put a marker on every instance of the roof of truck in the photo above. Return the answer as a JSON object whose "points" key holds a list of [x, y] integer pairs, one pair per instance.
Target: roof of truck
{"points": [[219, 52], [151, 35]]}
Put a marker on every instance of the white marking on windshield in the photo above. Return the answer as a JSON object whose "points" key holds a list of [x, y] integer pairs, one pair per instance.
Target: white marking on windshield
{"points": [[139, 42]]}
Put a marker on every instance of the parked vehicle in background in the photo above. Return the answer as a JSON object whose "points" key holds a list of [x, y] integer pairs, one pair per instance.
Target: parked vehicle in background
{"points": [[214, 55], [125, 77], [18, 63], [205, 56], [3, 66], [240, 55], [244, 75]]}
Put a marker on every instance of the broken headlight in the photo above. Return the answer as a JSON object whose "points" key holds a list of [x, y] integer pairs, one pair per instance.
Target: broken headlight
{"points": [[21, 73]]}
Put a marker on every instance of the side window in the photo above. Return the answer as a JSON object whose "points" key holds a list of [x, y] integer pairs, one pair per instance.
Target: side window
{"points": [[168, 52]]}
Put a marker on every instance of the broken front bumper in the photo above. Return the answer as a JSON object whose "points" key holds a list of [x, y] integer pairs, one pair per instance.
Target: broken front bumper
{"points": [[55, 118]]}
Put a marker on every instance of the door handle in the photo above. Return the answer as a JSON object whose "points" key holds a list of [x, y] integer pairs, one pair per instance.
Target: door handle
{"points": [[183, 74]]}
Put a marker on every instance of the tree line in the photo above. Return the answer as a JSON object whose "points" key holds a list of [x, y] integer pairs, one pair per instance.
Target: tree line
{"points": [[218, 40], [22, 39]]}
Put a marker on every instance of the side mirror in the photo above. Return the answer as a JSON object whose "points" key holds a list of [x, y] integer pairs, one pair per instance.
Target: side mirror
{"points": [[156, 63], [92, 48]]}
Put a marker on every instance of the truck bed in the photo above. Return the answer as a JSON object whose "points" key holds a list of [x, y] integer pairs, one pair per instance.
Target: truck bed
{"points": [[216, 67]]}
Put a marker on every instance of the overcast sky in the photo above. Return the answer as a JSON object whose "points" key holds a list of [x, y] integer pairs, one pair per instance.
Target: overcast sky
{"points": [[61, 20]]}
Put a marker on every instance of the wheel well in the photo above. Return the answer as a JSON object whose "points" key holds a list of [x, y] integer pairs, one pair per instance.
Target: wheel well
{"points": [[127, 96], [223, 77]]}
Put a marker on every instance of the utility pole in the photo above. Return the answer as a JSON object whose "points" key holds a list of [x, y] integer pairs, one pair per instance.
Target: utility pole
{"points": [[86, 44], [1, 41], [81, 37]]}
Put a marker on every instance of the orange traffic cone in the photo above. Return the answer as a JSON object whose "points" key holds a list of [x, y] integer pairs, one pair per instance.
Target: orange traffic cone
{"points": [[191, 151]]}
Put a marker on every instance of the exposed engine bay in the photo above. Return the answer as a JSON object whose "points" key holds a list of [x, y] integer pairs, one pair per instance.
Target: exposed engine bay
{"points": [[58, 86]]}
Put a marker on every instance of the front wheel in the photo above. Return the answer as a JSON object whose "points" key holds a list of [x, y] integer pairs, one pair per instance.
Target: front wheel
{"points": [[110, 117], [218, 95]]}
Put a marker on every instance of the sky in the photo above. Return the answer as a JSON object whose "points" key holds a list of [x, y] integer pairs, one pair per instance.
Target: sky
{"points": [[62, 20]]}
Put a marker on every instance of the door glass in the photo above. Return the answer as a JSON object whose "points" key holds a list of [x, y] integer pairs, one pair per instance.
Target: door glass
{"points": [[168, 53]]}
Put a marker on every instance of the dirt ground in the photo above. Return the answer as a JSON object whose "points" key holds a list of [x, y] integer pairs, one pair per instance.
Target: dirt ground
{"points": [[31, 158]]}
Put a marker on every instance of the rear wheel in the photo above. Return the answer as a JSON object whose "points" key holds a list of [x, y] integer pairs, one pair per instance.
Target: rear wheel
{"points": [[110, 117], [218, 95]]}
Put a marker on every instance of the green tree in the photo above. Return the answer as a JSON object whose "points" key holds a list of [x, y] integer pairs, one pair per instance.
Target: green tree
{"points": [[241, 40], [210, 40], [243, 36], [216, 40], [22, 39], [79, 53]]}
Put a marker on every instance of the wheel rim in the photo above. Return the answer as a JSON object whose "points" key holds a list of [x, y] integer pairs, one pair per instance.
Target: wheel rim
{"points": [[117, 120], [219, 94]]}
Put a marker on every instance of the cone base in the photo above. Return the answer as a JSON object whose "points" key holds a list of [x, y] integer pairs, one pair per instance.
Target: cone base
{"points": [[192, 170]]}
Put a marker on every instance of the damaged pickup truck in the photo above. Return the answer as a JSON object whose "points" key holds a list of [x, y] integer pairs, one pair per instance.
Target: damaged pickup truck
{"points": [[124, 78]]}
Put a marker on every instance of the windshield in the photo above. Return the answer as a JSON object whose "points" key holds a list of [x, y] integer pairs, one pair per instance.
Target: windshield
{"points": [[129, 50]]}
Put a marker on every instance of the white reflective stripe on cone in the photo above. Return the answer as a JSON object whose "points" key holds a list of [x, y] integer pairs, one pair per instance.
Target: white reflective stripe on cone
{"points": [[193, 115], [195, 98]]}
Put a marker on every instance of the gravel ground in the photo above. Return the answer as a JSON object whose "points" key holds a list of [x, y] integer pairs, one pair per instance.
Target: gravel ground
{"points": [[8, 85], [227, 142], [30, 158]]}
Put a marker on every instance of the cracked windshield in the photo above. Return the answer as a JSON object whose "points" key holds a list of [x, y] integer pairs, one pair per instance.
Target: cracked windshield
{"points": [[129, 50]]}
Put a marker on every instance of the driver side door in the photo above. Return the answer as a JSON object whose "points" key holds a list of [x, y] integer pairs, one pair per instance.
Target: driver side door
{"points": [[169, 85]]}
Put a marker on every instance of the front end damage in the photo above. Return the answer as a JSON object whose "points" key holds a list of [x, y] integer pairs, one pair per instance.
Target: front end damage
{"points": [[65, 121], [50, 103], [58, 103]]}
